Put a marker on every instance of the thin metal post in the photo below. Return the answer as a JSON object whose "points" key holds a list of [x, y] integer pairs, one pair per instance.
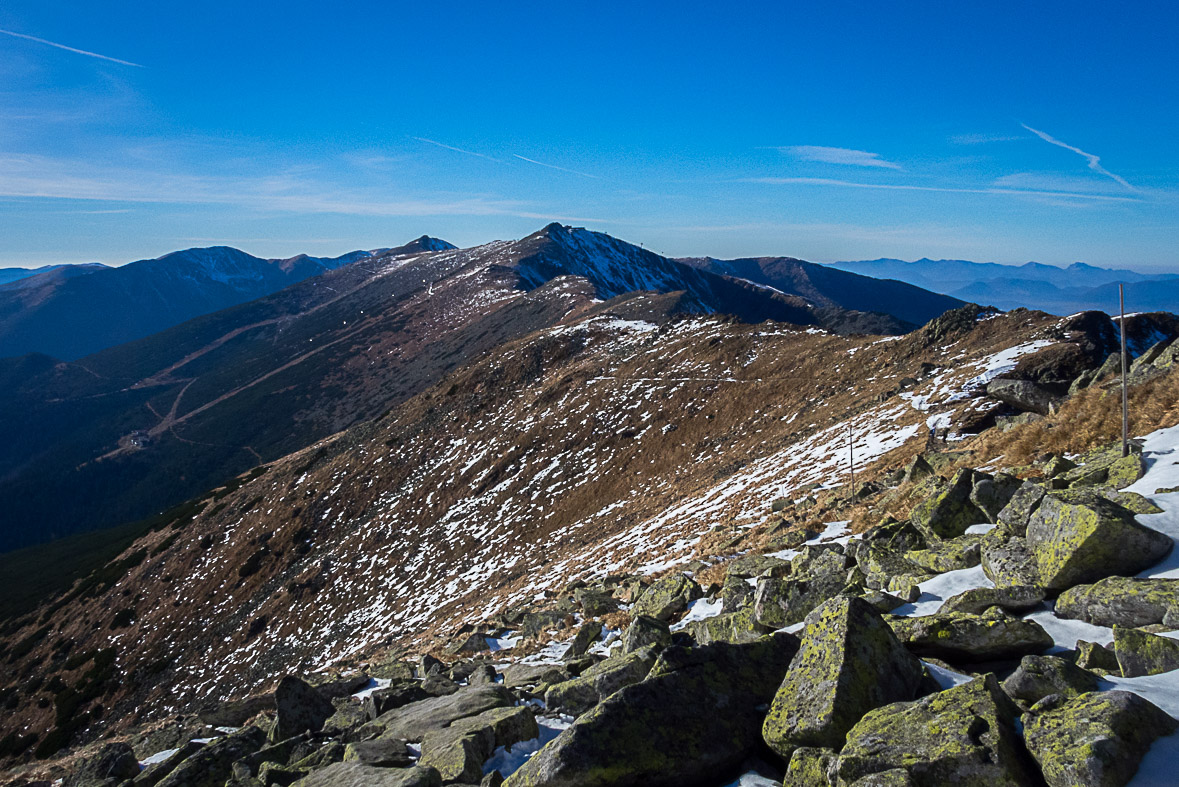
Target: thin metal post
{"points": [[851, 462], [1125, 394]]}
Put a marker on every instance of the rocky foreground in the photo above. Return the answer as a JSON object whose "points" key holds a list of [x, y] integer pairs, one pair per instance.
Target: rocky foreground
{"points": [[946, 648]]}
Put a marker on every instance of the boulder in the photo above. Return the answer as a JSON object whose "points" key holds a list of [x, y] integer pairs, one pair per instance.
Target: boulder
{"points": [[1025, 395], [299, 708], [992, 495], [734, 627], [384, 700], [439, 685], [1095, 739], [952, 555], [586, 636], [963, 735], [809, 766], [645, 632], [354, 774], [213, 765], [394, 670], [883, 602], [819, 560], [948, 512], [517, 675], [1040, 676], [753, 565], [412, 722], [107, 767], [482, 675], [736, 593], [154, 773], [1084, 541], [1121, 601], [599, 681], [235, 713], [1139, 653], [459, 751], [1015, 515], [1009, 562], [1096, 658], [969, 638], [379, 753], [667, 597], [1013, 598], [849, 662], [428, 665], [778, 603], [695, 716]]}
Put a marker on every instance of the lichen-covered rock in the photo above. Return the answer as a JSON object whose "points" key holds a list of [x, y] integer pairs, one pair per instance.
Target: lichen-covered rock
{"points": [[1096, 658], [412, 722], [818, 560], [695, 716], [1040, 676], [734, 627], [354, 774], [968, 638], [645, 632], [736, 593], [1125, 471], [109, 766], [300, 708], [778, 603], [459, 751], [1009, 562], [992, 494], [586, 636], [1095, 740], [517, 675], [753, 565], [965, 735], [952, 555], [1079, 542], [213, 764], [948, 512], [1013, 598], [883, 602], [379, 753], [1120, 601], [1139, 653], [1024, 502], [599, 681], [667, 597], [1024, 395], [809, 766], [848, 663]]}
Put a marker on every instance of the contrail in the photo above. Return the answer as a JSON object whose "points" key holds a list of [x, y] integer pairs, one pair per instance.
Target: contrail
{"points": [[70, 49], [456, 150], [554, 166], [1094, 161]]}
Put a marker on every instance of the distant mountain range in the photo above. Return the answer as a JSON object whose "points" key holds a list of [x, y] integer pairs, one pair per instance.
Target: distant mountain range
{"points": [[1033, 285], [70, 311], [120, 433], [8, 275]]}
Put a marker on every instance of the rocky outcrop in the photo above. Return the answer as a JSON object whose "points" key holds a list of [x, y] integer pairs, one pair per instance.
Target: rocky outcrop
{"points": [[599, 681], [1141, 653], [1121, 601], [1041, 676], [968, 638], [299, 708]]}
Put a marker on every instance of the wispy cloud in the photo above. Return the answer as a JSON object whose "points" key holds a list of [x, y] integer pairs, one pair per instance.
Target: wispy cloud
{"points": [[1094, 161], [456, 150], [846, 156], [554, 166], [71, 49], [983, 139], [939, 189]]}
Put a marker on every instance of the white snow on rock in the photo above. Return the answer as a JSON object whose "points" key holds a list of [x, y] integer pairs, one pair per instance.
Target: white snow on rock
{"points": [[700, 609], [508, 760], [935, 592]]}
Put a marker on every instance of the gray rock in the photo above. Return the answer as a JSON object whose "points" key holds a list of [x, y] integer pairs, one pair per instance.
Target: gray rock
{"points": [[1040, 676], [1120, 601], [412, 722], [949, 511], [300, 708], [849, 662], [154, 773], [736, 593], [1025, 395], [778, 603], [1013, 598], [1140, 653], [1009, 563], [667, 597], [695, 716], [732, 627], [969, 638], [1015, 515], [110, 765], [599, 681], [645, 632], [1080, 542], [992, 495], [1097, 658], [379, 753], [459, 751], [354, 774], [586, 636], [1095, 740], [213, 764], [384, 700], [482, 675], [518, 675]]}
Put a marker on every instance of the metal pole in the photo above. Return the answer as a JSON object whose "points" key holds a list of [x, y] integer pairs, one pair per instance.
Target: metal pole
{"points": [[851, 461], [1125, 395]]}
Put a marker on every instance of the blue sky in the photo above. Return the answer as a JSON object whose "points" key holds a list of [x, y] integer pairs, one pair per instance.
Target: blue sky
{"points": [[987, 131]]}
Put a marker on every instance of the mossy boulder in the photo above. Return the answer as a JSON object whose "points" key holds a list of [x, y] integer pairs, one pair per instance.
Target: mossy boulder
{"points": [[108, 766], [1140, 653], [1019, 509], [1121, 601], [1012, 598], [809, 766], [952, 555], [992, 494], [1097, 658], [736, 592], [519, 675], [965, 735], [379, 753], [300, 708], [459, 751], [599, 681], [1095, 740], [753, 565], [213, 764], [778, 603], [848, 663], [587, 635], [734, 627], [667, 597], [1086, 540], [957, 637], [644, 632], [1009, 562], [949, 511], [695, 716], [820, 560], [354, 774], [1040, 676], [412, 722]]}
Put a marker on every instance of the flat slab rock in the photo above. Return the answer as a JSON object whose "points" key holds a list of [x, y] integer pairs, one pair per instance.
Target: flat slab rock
{"points": [[353, 774], [412, 722]]}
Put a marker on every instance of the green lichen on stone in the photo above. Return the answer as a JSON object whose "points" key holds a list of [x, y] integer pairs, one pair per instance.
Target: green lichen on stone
{"points": [[1139, 653], [667, 597], [952, 555], [599, 681], [948, 512], [733, 627], [961, 637], [1040, 676], [1122, 601]]}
